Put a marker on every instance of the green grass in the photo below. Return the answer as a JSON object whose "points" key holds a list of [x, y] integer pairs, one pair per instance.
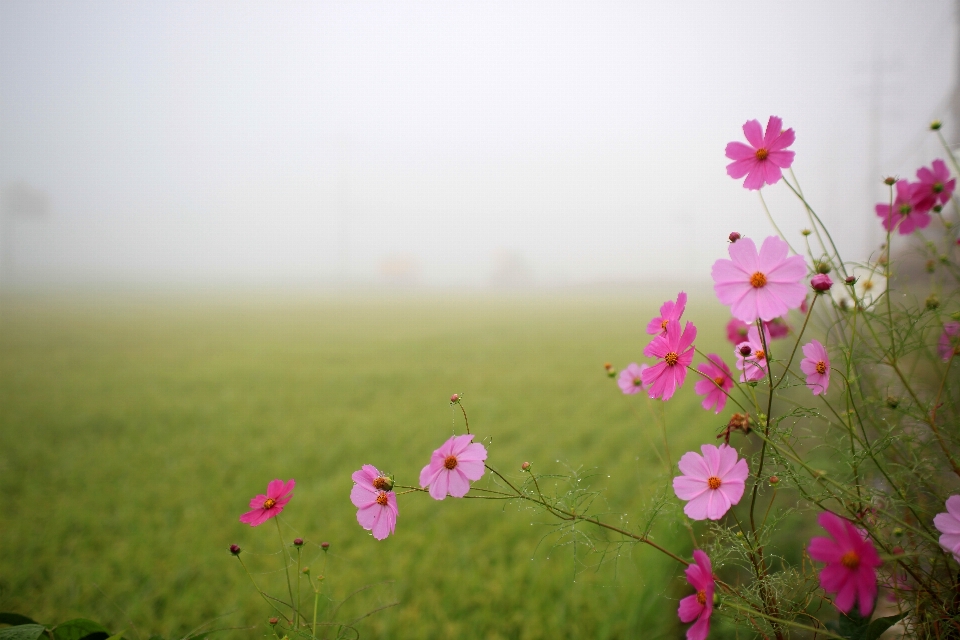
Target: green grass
{"points": [[133, 434]]}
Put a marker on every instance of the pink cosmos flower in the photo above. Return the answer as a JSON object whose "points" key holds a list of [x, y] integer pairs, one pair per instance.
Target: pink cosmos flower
{"points": [[712, 483], [669, 311], [751, 357], [631, 378], [904, 216], [699, 606], [817, 367], [935, 186], [717, 386], [949, 343], [763, 158], [776, 328], [949, 525], [676, 351], [264, 507], [376, 503], [452, 466], [764, 285], [737, 331], [852, 562], [821, 283]]}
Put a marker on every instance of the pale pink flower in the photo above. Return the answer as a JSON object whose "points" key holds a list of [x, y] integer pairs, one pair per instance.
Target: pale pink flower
{"points": [[719, 384], [904, 216], [764, 285], [852, 562], [817, 367], [375, 501], [669, 311], [752, 357], [631, 378], [676, 353], [698, 606], [263, 507], [453, 466], [949, 525], [763, 158], [949, 343], [712, 483], [935, 186]]}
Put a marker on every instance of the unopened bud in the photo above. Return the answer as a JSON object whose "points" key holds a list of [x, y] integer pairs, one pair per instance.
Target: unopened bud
{"points": [[897, 551], [235, 549], [774, 480], [821, 283], [931, 266], [889, 181], [525, 466], [943, 259], [716, 600], [745, 350], [734, 236], [298, 542], [932, 301], [805, 232], [892, 402], [324, 545], [822, 267], [273, 621], [850, 280], [306, 571], [935, 125], [897, 532], [844, 304], [937, 208], [455, 398]]}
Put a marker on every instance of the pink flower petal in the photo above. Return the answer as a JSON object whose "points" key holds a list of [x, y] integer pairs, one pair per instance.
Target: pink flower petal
{"points": [[458, 485], [439, 487]]}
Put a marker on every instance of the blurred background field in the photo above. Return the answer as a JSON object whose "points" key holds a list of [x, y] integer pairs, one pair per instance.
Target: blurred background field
{"points": [[133, 432]]}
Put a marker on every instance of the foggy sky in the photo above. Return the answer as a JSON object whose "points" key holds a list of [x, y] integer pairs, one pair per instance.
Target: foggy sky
{"points": [[447, 143]]}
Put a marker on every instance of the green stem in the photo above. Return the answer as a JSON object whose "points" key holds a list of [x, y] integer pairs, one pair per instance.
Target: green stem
{"points": [[286, 569]]}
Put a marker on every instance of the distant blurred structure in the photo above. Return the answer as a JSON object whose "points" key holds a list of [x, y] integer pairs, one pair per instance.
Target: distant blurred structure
{"points": [[18, 201]]}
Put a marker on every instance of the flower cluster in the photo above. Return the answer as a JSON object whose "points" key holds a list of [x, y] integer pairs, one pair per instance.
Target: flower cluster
{"points": [[910, 209]]}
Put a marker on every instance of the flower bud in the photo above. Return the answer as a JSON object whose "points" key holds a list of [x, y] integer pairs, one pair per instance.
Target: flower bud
{"points": [[943, 259], [892, 402], [897, 551], [324, 545], [821, 283], [305, 571], [298, 542], [745, 350], [734, 236], [235, 549], [844, 304], [889, 181], [931, 266], [937, 208], [525, 466], [805, 232], [273, 621], [822, 267], [455, 398], [850, 280], [932, 301], [897, 532], [716, 600], [774, 480], [935, 125]]}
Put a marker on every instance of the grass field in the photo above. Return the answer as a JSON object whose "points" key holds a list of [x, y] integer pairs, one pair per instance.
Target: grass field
{"points": [[133, 432]]}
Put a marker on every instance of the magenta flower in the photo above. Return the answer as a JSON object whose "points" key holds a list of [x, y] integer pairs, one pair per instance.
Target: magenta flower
{"points": [[264, 507], [452, 466], [699, 606], [764, 285], [776, 328], [763, 158], [669, 311], [712, 483], [717, 386], [852, 562], [737, 331], [817, 367], [676, 350], [903, 216], [949, 343], [752, 357], [821, 283], [631, 378], [949, 525], [375, 501], [935, 186]]}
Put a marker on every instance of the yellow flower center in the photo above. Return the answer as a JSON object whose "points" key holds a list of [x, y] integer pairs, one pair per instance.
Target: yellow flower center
{"points": [[905, 209], [937, 187], [663, 325], [758, 280], [671, 358], [762, 154], [714, 482], [867, 285], [381, 483], [719, 380], [850, 560], [269, 503], [382, 499], [759, 354], [821, 367], [638, 382], [702, 598], [450, 462]]}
